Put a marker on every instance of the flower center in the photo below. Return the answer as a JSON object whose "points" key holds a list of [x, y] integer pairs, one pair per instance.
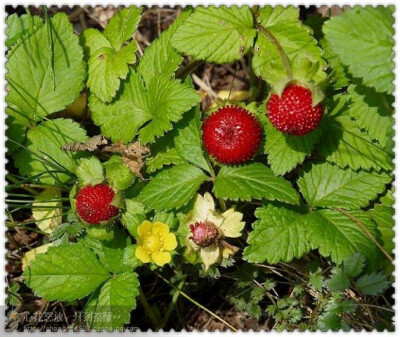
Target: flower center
{"points": [[153, 242], [204, 233]]}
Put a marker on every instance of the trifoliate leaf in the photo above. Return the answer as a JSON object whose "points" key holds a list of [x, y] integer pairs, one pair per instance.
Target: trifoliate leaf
{"points": [[188, 141], [18, 27], [134, 215], [45, 71], [110, 306], [163, 102], [122, 26], [90, 171], [372, 112], [172, 188], [283, 25], [372, 60], [279, 234], [347, 146], [65, 273], [383, 214], [373, 284], [216, 34], [160, 57], [338, 236], [327, 185], [286, 151], [118, 173], [253, 181], [47, 210], [43, 154], [110, 252]]}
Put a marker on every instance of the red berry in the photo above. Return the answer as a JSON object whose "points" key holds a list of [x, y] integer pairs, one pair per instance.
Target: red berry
{"points": [[293, 113], [204, 233], [231, 135], [93, 203]]}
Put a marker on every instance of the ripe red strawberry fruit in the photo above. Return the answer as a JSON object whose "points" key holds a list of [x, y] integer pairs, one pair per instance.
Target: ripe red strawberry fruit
{"points": [[93, 203], [231, 135], [293, 112]]}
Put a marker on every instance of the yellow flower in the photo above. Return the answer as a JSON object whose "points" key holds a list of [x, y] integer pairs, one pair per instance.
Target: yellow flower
{"points": [[155, 243], [208, 228]]}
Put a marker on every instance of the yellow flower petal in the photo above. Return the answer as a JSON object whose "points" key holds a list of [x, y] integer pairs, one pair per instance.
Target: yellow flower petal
{"points": [[226, 252], [142, 254], [210, 255], [161, 258], [144, 228], [159, 227], [170, 242], [233, 224]]}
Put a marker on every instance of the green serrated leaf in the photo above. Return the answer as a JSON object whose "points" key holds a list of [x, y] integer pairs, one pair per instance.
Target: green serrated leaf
{"points": [[329, 321], [372, 112], [285, 151], [110, 306], [122, 26], [160, 57], [118, 174], [327, 185], [216, 34], [172, 188], [383, 215], [43, 150], [373, 284], [18, 27], [163, 102], [188, 143], [45, 71], [65, 273], [110, 252], [347, 146], [90, 171], [294, 38], [339, 281], [372, 60], [162, 159], [354, 265], [339, 237], [168, 101], [279, 234], [106, 69], [253, 181], [134, 215]]}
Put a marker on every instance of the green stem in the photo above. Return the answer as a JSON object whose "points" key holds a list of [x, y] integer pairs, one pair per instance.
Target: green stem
{"points": [[281, 52], [188, 69], [150, 313], [172, 304], [196, 303]]}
